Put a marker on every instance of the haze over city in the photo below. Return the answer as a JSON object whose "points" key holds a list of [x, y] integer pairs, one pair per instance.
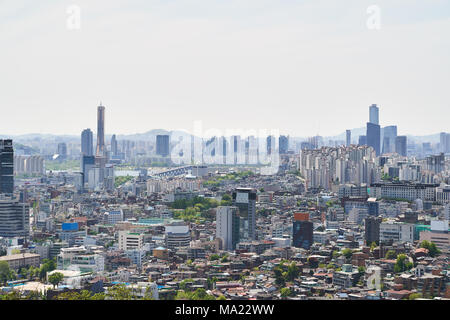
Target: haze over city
{"points": [[190, 152], [302, 67]]}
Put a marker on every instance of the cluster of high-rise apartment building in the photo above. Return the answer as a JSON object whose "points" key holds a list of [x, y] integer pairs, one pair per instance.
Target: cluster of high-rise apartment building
{"points": [[327, 166], [30, 165], [335, 212]]}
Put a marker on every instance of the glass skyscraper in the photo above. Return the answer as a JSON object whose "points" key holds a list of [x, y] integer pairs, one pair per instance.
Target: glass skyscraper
{"points": [[6, 167], [162, 145], [373, 137], [245, 200], [374, 114], [100, 131], [87, 146]]}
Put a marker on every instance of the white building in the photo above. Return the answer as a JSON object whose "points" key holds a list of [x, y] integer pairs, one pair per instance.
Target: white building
{"points": [[130, 240], [282, 242], [84, 259], [443, 194], [28, 165], [321, 237], [177, 235], [405, 191], [225, 215], [396, 231], [357, 215]]}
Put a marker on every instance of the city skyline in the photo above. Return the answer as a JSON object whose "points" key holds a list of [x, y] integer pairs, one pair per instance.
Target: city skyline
{"points": [[227, 132], [257, 152], [303, 68]]}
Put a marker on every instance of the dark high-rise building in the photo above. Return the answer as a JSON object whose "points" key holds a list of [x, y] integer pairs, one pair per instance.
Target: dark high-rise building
{"points": [[236, 141], [6, 167], [245, 200], [87, 162], [435, 163], [100, 152], [373, 137], [283, 144], [394, 172], [362, 140], [348, 136], [87, 143], [389, 136], [302, 231], [382, 161], [62, 150], [162, 145], [114, 150], [224, 148], [270, 144], [209, 147], [401, 145], [246, 148], [372, 229], [374, 114], [14, 218]]}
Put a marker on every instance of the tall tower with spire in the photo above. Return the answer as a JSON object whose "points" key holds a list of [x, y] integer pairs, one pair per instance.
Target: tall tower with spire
{"points": [[100, 131]]}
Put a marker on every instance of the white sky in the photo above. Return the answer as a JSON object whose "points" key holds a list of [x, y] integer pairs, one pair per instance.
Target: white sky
{"points": [[302, 67]]}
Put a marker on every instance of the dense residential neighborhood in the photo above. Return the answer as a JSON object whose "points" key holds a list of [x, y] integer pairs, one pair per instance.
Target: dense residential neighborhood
{"points": [[339, 223]]}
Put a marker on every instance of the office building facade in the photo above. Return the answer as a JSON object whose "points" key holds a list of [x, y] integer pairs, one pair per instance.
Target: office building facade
{"points": [[162, 145], [227, 227], [177, 235], [87, 143], [389, 138], [374, 114], [6, 166], [373, 137], [87, 163], [245, 200], [401, 145], [396, 232], [302, 231], [372, 230], [362, 140], [283, 144], [14, 218]]}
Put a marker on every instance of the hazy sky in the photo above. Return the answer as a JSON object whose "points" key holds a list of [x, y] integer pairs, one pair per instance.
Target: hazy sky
{"points": [[302, 67]]}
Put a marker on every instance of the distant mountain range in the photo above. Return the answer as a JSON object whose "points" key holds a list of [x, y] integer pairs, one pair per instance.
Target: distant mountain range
{"points": [[150, 135]]}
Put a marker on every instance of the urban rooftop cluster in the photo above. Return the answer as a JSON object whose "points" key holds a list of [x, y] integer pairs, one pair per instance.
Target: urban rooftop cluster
{"points": [[363, 218]]}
